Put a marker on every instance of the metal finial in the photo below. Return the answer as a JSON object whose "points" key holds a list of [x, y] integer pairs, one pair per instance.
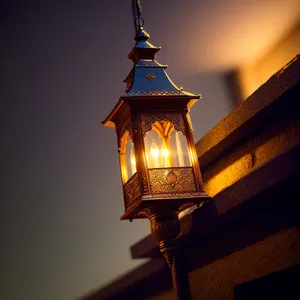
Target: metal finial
{"points": [[137, 15]]}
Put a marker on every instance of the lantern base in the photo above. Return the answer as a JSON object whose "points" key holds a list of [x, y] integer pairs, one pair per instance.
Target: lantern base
{"points": [[165, 228], [136, 210]]}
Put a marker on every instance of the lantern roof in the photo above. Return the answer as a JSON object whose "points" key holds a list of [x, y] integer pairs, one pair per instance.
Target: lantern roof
{"points": [[148, 78]]}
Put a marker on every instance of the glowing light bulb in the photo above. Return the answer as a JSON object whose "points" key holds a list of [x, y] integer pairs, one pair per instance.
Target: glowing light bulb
{"points": [[154, 150], [155, 153], [165, 154]]}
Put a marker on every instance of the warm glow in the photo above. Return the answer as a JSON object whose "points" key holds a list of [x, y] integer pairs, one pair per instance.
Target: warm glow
{"points": [[164, 151], [179, 150], [165, 155], [160, 157], [166, 147], [127, 158], [154, 150], [253, 75], [155, 153], [132, 160], [244, 30]]}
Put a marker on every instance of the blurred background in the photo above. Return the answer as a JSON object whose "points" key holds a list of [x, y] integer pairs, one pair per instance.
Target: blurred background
{"points": [[62, 69]]}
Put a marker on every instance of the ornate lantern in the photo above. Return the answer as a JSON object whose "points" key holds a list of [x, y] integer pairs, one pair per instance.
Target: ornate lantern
{"points": [[158, 160]]}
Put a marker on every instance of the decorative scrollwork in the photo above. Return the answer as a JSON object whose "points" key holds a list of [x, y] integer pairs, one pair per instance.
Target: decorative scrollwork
{"points": [[189, 121], [155, 93], [172, 182], [143, 213], [150, 76], [125, 127], [200, 181], [147, 120], [165, 228], [175, 195], [132, 190], [144, 185]]}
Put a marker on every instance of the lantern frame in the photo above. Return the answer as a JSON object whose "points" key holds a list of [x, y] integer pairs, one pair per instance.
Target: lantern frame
{"points": [[136, 116], [159, 190], [158, 193]]}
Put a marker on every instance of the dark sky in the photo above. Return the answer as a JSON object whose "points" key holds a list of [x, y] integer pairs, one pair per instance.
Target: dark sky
{"points": [[61, 73]]}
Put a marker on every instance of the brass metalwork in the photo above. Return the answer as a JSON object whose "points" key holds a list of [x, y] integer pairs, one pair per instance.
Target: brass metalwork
{"points": [[126, 126], [132, 190], [175, 181], [155, 93], [158, 194], [165, 228], [189, 121], [147, 120], [150, 76], [163, 129]]}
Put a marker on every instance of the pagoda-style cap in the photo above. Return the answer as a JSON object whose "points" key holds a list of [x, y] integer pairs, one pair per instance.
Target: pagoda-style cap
{"points": [[148, 78], [142, 49]]}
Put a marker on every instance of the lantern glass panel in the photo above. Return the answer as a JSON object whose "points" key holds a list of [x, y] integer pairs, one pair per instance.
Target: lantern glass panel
{"points": [[127, 157], [166, 147]]}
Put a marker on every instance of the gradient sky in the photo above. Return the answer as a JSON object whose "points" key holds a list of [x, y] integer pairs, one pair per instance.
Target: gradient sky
{"points": [[62, 72]]}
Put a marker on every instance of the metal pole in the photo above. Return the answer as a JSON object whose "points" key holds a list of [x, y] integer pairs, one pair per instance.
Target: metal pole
{"points": [[180, 278], [165, 228]]}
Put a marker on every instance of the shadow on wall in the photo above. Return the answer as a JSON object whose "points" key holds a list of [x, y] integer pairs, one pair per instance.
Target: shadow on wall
{"points": [[279, 285]]}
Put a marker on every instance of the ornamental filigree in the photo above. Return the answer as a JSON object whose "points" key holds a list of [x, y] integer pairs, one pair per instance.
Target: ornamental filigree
{"points": [[172, 181], [132, 190], [150, 76], [155, 93], [144, 185], [189, 121], [200, 181], [147, 120], [175, 195], [126, 126]]}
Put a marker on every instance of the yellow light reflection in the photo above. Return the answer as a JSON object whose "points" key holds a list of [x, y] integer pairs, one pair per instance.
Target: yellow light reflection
{"points": [[132, 160], [165, 155], [166, 147], [155, 154]]}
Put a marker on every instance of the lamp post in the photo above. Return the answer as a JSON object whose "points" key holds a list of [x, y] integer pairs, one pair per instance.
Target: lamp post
{"points": [[159, 166]]}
